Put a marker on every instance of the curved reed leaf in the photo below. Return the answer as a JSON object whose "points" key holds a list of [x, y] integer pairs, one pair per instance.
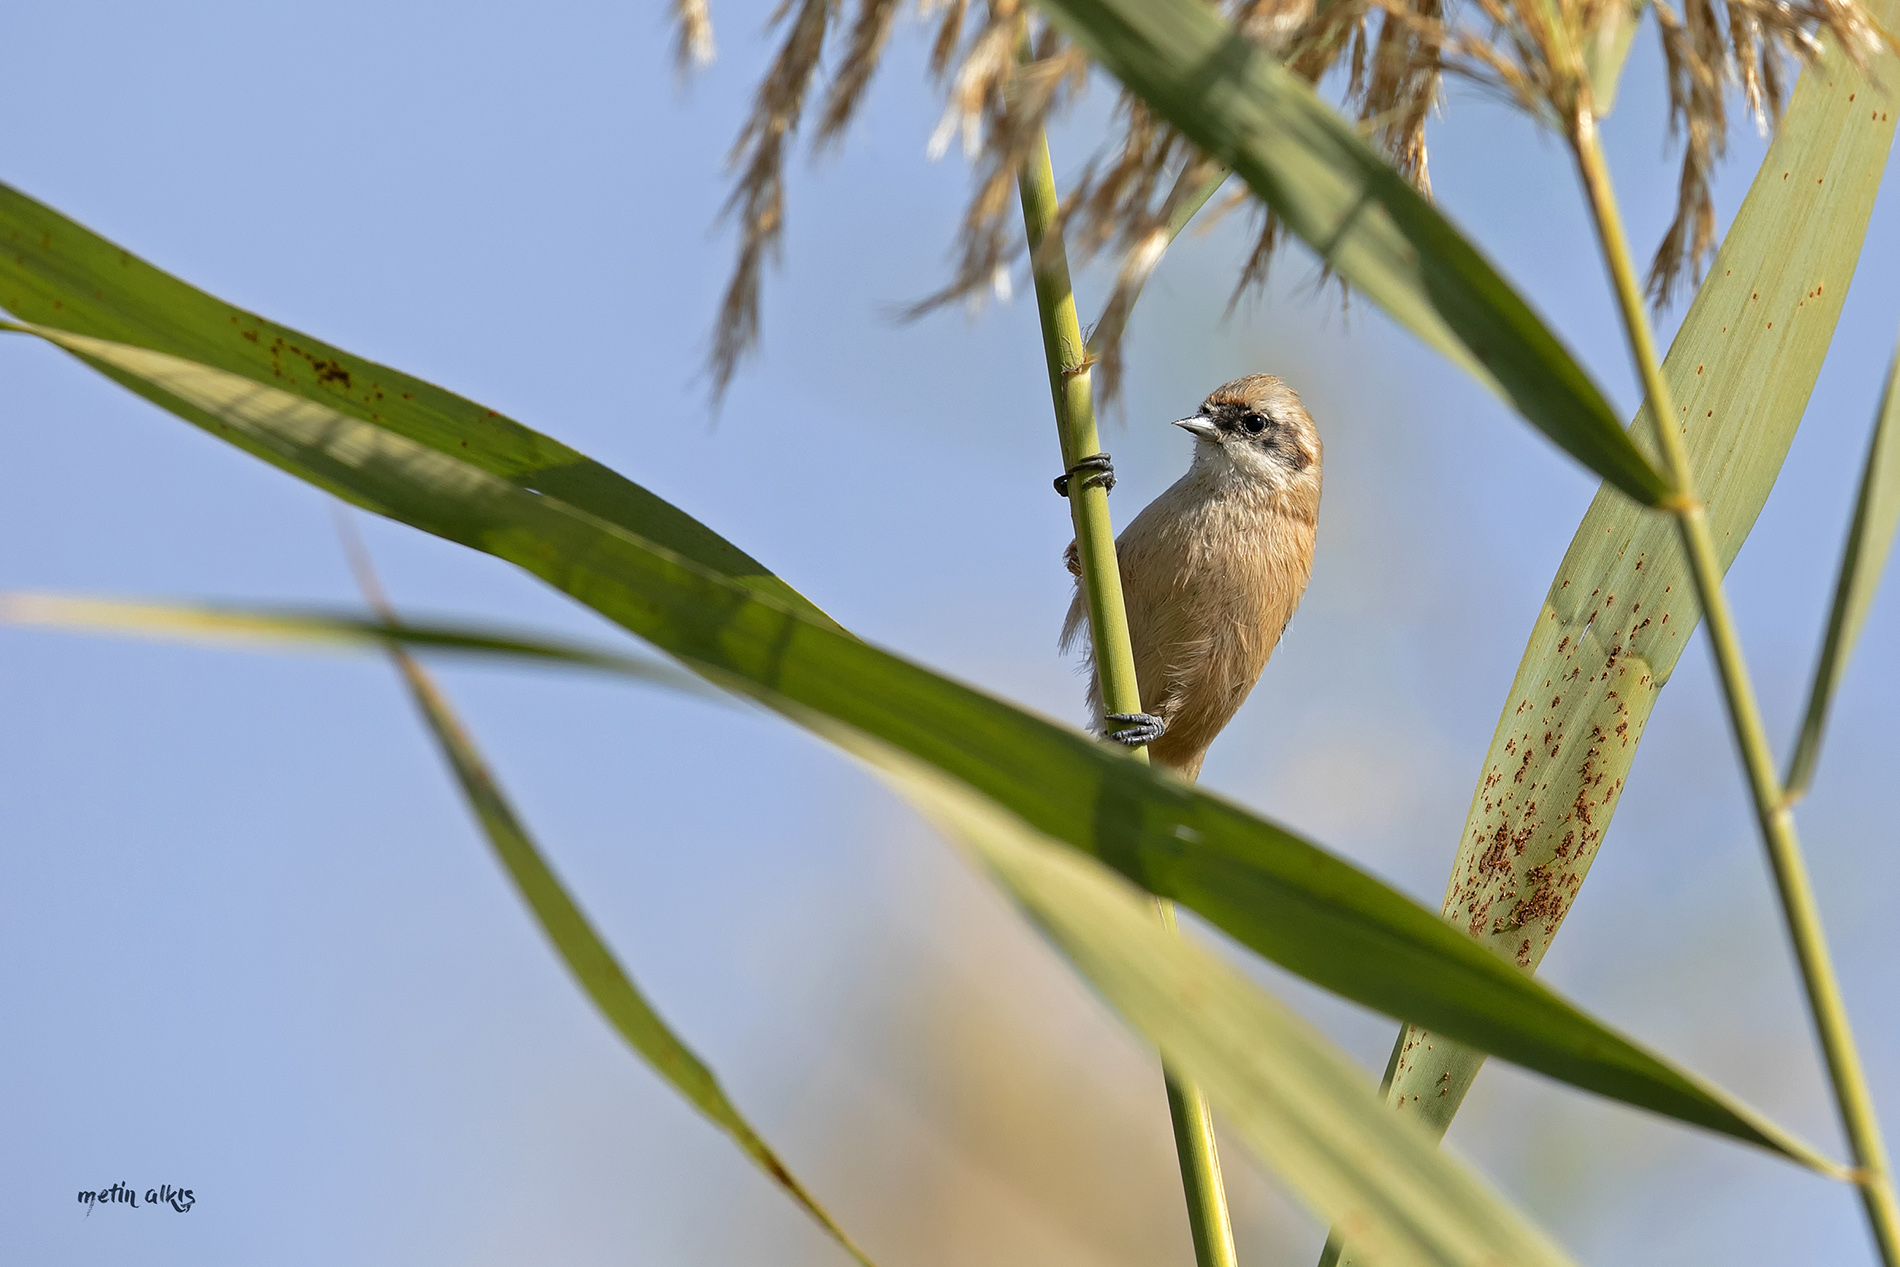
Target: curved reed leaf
{"points": [[1354, 209], [57, 271], [1622, 607], [1863, 559], [303, 627], [594, 967], [593, 964], [1284, 897], [1604, 56], [1302, 1105]]}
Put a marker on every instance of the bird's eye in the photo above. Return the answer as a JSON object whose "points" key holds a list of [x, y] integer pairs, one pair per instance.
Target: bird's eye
{"points": [[1254, 424]]}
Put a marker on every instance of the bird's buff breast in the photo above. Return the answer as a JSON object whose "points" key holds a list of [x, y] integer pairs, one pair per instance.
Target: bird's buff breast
{"points": [[1209, 586]]}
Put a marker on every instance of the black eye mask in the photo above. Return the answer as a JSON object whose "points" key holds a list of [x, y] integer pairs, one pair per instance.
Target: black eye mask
{"points": [[1269, 433]]}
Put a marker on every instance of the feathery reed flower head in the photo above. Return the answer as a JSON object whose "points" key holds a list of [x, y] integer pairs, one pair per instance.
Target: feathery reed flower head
{"points": [[1004, 76], [1547, 56]]}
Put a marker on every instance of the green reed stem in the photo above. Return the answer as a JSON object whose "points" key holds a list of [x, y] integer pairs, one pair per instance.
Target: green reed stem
{"points": [[1772, 809], [1069, 388], [1067, 357], [1869, 536], [1200, 1161]]}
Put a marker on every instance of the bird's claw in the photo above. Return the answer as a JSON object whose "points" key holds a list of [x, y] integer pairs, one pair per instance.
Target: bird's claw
{"points": [[1099, 472], [1136, 729]]}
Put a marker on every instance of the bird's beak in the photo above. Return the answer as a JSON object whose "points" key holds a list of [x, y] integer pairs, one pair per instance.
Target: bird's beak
{"points": [[1201, 428]]}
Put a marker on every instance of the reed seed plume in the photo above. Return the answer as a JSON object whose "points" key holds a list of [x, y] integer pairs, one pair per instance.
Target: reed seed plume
{"points": [[999, 103], [1533, 52], [1004, 76], [1762, 39], [759, 199], [869, 34], [693, 43], [1141, 238]]}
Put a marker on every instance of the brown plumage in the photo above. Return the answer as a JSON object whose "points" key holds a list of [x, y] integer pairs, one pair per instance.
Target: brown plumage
{"points": [[1213, 568]]}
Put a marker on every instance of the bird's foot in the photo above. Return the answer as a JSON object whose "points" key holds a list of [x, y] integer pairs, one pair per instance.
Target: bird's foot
{"points": [[1099, 472], [1136, 729]]}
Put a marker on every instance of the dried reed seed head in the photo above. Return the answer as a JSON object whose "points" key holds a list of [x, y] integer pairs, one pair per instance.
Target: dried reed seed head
{"points": [[869, 33], [758, 200], [693, 45], [1701, 57], [949, 31], [1533, 52], [1393, 55], [997, 105]]}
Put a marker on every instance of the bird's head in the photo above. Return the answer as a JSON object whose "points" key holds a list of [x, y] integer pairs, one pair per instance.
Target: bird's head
{"points": [[1255, 429]]}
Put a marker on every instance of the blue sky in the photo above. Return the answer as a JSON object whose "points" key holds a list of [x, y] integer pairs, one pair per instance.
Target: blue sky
{"points": [[251, 944]]}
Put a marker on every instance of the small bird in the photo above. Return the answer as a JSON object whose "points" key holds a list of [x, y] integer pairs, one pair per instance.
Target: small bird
{"points": [[1212, 569]]}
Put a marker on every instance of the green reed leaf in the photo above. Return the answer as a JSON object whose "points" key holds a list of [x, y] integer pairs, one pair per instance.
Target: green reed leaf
{"points": [[1622, 605], [594, 967], [57, 271], [1605, 55], [1371, 227], [1300, 1104], [1280, 895], [1863, 560], [303, 627]]}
